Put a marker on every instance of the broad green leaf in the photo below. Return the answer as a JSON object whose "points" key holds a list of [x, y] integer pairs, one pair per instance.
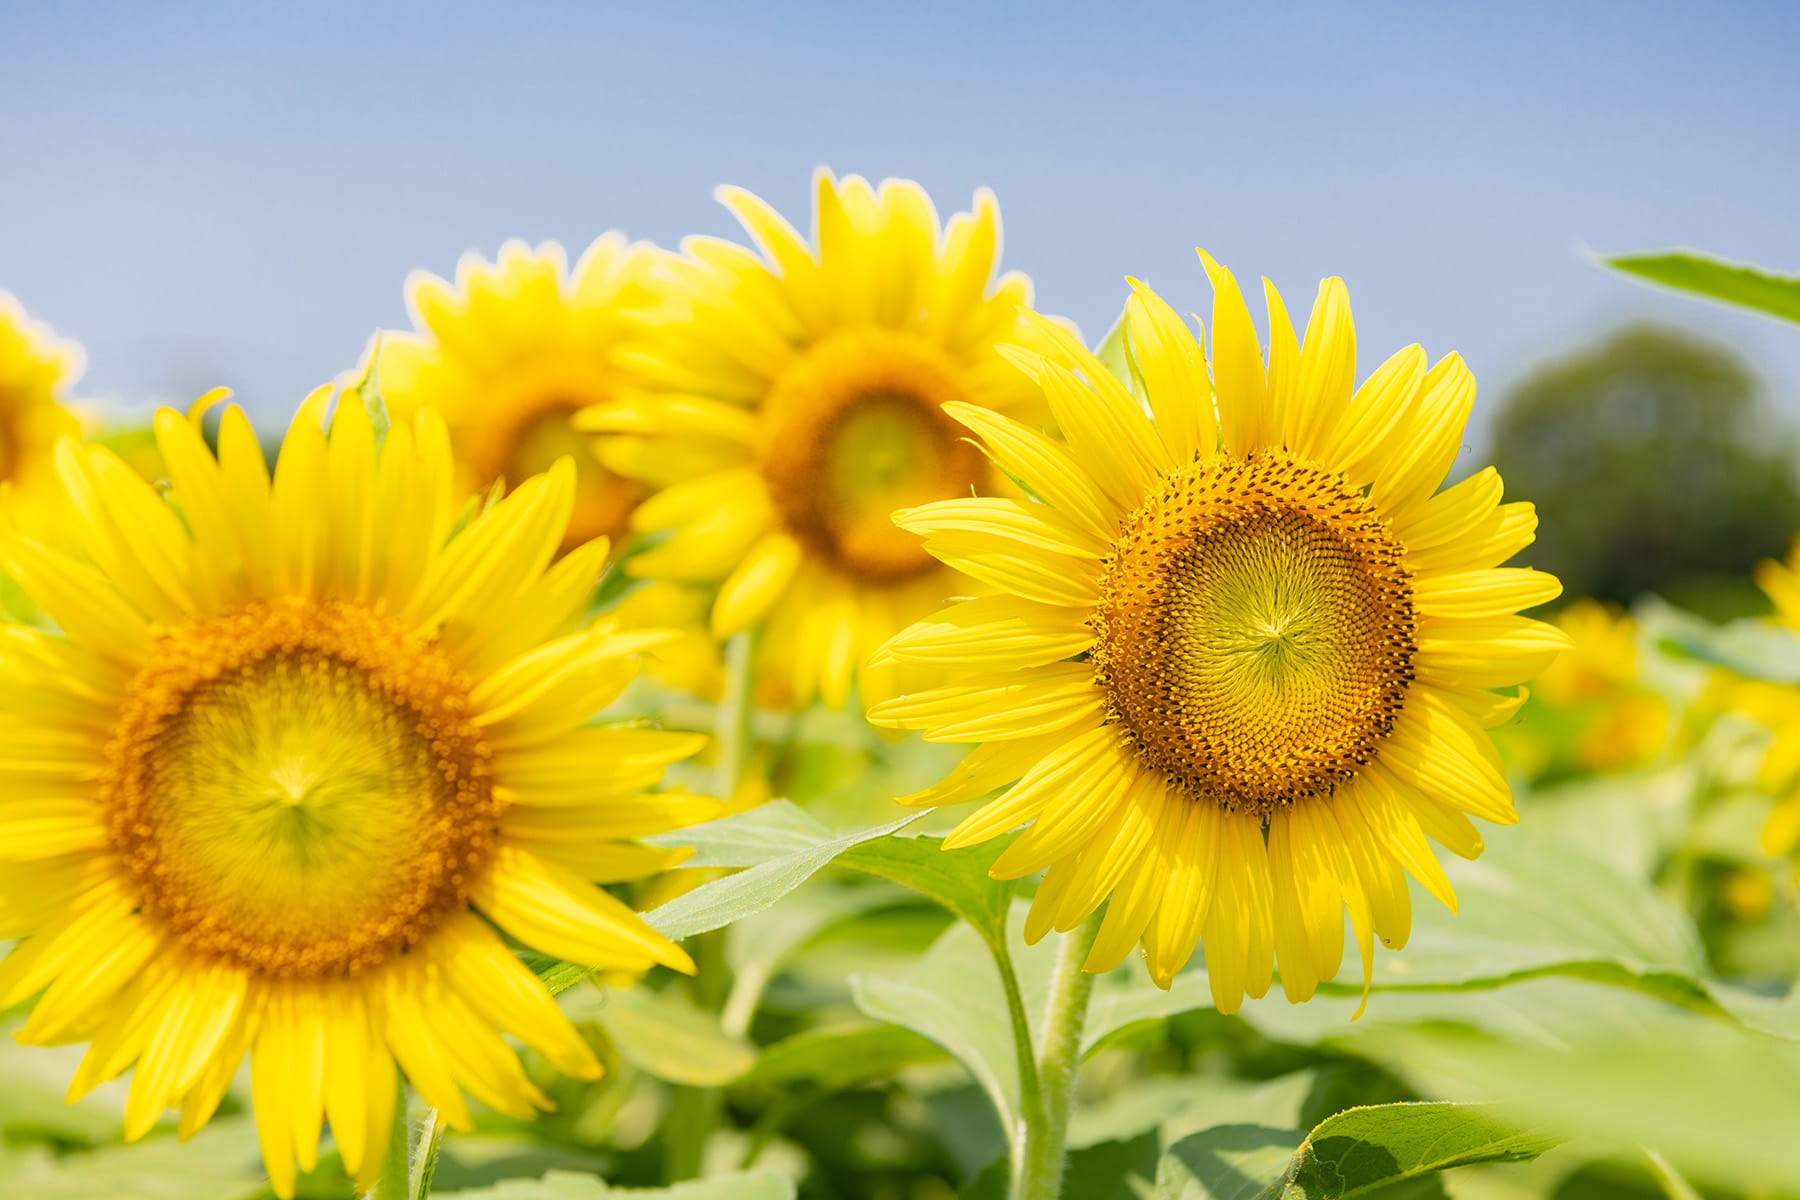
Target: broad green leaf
{"points": [[1351, 1154], [664, 1035], [758, 945], [218, 1163], [719, 903], [1112, 352], [1362, 1149], [1751, 648], [954, 997], [1228, 1162], [747, 839], [957, 879], [1728, 283], [1127, 997], [33, 1083], [1718, 1101], [1179, 1105], [1534, 905], [834, 1060], [564, 1185], [1112, 1170]]}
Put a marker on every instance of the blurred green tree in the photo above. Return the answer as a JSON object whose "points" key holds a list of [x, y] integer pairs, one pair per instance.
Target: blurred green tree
{"points": [[1656, 465]]}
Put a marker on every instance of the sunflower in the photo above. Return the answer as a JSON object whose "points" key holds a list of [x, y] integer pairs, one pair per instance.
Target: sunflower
{"points": [[508, 353], [1238, 664], [35, 370], [1590, 710], [799, 396], [1777, 707], [302, 752]]}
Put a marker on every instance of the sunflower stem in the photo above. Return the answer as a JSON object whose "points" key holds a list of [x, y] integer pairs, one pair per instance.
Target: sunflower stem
{"points": [[693, 1111], [731, 724], [1059, 1055], [1030, 1095]]}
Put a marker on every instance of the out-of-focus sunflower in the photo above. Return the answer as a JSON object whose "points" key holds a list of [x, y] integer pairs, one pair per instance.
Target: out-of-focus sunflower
{"points": [[1590, 710], [36, 371], [509, 352], [1237, 671], [296, 744], [799, 395], [1777, 706]]}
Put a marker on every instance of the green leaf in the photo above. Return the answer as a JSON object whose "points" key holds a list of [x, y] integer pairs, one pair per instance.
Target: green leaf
{"points": [[719, 903], [1112, 352], [1719, 1102], [218, 1163], [953, 996], [1361, 1149], [1534, 905], [1179, 1105], [1128, 998], [758, 945], [957, 879], [1229, 1162], [1751, 648], [565, 1185], [1728, 283], [1347, 1155], [748, 839], [835, 1060], [664, 1035]]}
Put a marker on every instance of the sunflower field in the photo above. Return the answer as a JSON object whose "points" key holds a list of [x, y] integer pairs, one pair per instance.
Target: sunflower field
{"points": [[784, 717]]}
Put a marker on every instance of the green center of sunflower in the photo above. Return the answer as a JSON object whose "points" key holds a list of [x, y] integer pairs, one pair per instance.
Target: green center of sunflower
{"points": [[299, 789], [541, 431], [855, 429], [1255, 631]]}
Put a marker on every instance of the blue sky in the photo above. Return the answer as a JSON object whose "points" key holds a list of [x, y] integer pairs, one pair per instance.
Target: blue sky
{"points": [[234, 194]]}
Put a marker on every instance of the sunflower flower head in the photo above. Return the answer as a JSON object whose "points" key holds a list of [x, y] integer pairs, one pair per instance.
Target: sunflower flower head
{"points": [[299, 751], [1591, 709], [36, 370], [509, 352], [795, 398], [1238, 659], [1776, 706]]}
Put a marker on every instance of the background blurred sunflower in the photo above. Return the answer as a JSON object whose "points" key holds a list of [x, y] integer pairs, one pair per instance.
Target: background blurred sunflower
{"points": [[36, 371], [1239, 665], [293, 736], [1777, 706], [799, 397], [509, 352]]}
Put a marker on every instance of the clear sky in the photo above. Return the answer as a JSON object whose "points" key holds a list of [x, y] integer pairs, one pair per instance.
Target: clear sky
{"points": [[233, 194]]}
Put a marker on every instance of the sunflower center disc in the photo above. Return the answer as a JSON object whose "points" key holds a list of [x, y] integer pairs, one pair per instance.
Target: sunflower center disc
{"points": [[1255, 631], [299, 789], [856, 429]]}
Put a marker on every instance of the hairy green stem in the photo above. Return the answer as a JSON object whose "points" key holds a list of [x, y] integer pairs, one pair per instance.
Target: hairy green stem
{"points": [[731, 723], [1030, 1095], [693, 1111], [1058, 1057]]}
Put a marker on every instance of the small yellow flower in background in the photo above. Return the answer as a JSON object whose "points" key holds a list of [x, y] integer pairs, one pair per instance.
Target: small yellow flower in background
{"points": [[509, 352], [1777, 706], [36, 371], [1238, 667], [296, 738], [799, 394], [1605, 718]]}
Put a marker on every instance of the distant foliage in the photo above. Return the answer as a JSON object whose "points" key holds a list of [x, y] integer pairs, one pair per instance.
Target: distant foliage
{"points": [[1656, 466]]}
